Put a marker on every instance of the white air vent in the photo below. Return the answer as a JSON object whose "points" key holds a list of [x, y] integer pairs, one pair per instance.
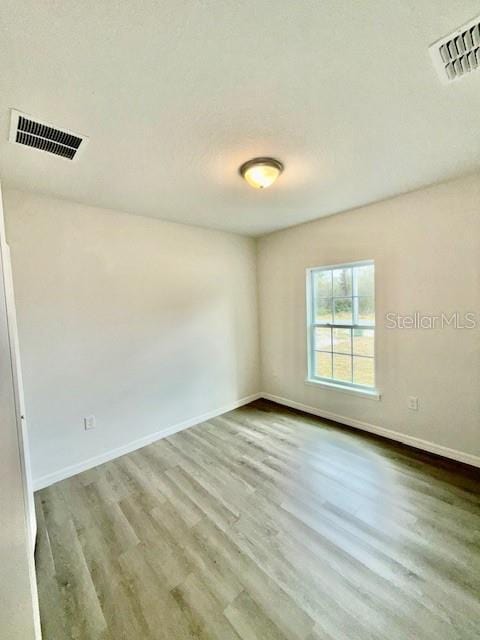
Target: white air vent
{"points": [[41, 135], [458, 54]]}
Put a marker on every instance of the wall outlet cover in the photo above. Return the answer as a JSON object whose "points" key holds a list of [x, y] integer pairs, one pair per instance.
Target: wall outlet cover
{"points": [[89, 422], [412, 403]]}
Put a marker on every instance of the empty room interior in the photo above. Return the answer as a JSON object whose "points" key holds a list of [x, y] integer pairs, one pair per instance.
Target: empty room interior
{"points": [[240, 320]]}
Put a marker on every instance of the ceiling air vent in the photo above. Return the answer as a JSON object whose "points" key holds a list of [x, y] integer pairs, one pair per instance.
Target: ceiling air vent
{"points": [[458, 54], [40, 135]]}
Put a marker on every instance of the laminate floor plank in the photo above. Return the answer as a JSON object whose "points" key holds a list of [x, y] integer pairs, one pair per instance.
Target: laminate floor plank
{"points": [[262, 524]]}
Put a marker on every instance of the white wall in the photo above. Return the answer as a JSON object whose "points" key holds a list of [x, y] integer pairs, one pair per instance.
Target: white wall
{"points": [[147, 324], [426, 247], [143, 323], [19, 616]]}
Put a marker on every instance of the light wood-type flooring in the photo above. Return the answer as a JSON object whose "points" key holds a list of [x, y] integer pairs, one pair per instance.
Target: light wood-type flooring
{"points": [[263, 524]]}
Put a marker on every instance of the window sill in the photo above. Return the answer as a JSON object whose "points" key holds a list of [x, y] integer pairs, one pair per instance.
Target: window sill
{"points": [[373, 394]]}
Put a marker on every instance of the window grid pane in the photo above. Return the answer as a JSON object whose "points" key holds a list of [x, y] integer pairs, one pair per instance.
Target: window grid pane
{"points": [[323, 364], [323, 339], [323, 311], [342, 340], [363, 371], [342, 311], [322, 284], [365, 310], [342, 367], [363, 342], [342, 282]]}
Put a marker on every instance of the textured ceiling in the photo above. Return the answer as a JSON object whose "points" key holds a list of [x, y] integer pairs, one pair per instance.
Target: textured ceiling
{"points": [[175, 95]]}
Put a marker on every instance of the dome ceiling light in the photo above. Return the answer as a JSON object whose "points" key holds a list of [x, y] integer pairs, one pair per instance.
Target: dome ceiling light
{"points": [[261, 173]]}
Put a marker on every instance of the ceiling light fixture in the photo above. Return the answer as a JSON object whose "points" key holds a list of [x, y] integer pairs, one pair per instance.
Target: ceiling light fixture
{"points": [[260, 173]]}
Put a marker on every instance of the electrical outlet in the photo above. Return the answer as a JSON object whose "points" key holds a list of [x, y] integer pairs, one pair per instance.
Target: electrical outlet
{"points": [[89, 422], [412, 403]]}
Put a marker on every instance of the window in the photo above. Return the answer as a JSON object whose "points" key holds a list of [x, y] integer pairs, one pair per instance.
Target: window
{"points": [[341, 325]]}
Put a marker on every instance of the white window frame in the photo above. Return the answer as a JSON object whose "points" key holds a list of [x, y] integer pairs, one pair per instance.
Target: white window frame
{"points": [[312, 324]]}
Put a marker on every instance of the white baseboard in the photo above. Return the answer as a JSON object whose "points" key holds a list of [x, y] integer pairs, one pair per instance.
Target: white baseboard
{"points": [[67, 472], [418, 443]]}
